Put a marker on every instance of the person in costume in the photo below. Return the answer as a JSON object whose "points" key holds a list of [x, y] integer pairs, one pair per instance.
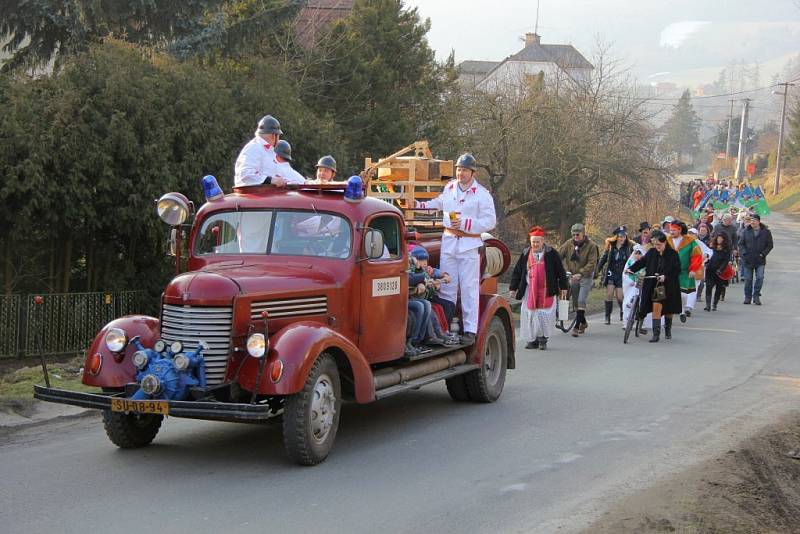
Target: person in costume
{"points": [[664, 263], [538, 279], [617, 250], [468, 212], [691, 257], [629, 288]]}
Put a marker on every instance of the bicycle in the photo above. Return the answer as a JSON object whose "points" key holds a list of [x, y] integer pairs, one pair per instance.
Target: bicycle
{"points": [[634, 319]]}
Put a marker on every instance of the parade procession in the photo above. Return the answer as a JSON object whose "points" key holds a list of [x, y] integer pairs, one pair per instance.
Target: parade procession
{"points": [[393, 266]]}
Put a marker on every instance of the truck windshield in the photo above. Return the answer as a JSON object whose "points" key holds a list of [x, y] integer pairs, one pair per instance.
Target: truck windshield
{"points": [[294, 233]]}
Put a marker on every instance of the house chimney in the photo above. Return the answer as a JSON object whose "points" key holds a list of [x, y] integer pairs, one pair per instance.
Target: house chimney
{"points": [[532, 38]]}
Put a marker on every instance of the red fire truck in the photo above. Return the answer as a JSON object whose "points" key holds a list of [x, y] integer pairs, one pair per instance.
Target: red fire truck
{"points": [[292, 301]]}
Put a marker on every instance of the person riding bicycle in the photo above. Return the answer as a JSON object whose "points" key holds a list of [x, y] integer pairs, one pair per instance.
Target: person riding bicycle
{"points": [[579, 256]]}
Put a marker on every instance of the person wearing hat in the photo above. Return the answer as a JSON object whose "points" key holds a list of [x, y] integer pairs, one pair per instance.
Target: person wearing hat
{"points": [[283, 157], [644, 234], [666, 222], [617, 250], [257, 163], [468, 212], [579, 256], [691, 259], [755, 244], [629, 288], [661, 262], [326, 169], [538, 279]]}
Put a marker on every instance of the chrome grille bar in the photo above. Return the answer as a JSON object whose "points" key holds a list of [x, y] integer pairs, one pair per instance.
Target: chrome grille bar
{"points": [[190, 324], [290, 308]]}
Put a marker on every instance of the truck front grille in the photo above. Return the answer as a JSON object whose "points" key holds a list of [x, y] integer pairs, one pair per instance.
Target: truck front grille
{"points": [[290, 307], [192, 324]]}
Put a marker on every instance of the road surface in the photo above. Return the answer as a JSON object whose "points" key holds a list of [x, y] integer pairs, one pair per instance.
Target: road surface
{"points": [[578, 426]]}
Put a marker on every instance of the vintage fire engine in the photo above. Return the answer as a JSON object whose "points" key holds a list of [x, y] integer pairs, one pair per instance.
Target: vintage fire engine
{"points": [[293, 300]]}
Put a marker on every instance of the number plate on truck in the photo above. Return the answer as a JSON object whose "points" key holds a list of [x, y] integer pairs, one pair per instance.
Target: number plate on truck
{"points": [[140, 406]]}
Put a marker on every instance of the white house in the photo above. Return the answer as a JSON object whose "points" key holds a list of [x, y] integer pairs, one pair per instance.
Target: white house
{"points": [[555, 62]]}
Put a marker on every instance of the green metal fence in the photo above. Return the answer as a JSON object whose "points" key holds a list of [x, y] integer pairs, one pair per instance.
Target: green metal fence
{"points": [[62, 323]]}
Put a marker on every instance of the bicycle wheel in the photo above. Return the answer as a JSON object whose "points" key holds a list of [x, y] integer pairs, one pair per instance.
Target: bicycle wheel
{"points": [[632, 320]]}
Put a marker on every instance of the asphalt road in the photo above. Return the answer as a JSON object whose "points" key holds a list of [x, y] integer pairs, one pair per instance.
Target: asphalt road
{"points": [[577, 427]]}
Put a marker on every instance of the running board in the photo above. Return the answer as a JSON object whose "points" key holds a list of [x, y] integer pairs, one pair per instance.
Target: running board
{"points": [[425, 380]]}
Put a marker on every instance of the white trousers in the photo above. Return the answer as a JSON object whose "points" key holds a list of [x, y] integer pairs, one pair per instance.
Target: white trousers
{"points": [[536, 323], [464, 270], [691, 298]]}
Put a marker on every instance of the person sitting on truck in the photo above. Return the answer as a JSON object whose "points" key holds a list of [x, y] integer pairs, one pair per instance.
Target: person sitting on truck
{"points": [[432, 280], [417, 318], [257, 163], [283, 155], [468, 212], [326, 170]]}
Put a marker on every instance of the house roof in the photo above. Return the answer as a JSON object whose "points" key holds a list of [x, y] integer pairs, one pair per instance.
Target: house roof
{"points": [[476, 67], [565, 56]]}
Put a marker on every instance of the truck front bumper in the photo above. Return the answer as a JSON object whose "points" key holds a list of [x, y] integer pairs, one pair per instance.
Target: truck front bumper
{"points": [[210, 410]]}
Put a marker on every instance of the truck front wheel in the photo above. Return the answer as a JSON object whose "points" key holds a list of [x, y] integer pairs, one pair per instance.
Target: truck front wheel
{"points": [[311, 416], [486, 384], [130, 430]]}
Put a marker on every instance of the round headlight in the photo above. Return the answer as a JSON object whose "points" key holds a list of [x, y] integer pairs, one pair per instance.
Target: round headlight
{"points": [[140, 359], [151, 384], [176, 347], [173, 208], [256, 345], [116, 339], [160, 346], [181, 362]]}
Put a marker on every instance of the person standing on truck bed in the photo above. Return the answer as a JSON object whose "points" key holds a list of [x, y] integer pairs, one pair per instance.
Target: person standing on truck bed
{"points": [[326, 169], [283, 155], [468, 212], [257, 163]]}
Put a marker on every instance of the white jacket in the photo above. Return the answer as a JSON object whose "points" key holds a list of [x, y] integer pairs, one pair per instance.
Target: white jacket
{"points": [[256, 161], [291, 176], [476, 210]]}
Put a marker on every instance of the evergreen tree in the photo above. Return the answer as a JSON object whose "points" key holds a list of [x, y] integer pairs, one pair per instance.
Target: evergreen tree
{"points": [[682, 130]]}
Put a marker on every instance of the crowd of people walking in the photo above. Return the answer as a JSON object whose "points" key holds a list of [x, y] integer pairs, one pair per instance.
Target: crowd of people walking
{"points": [[670, 266]]}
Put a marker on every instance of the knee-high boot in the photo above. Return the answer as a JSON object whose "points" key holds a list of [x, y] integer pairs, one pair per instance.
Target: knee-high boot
{"points": [[708, 300], [667, 327], [619, 303], [609, 309], [656, 330]]}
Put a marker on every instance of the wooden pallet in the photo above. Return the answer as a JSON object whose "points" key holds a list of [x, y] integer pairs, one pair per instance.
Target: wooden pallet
{"points": [[408, 175]]}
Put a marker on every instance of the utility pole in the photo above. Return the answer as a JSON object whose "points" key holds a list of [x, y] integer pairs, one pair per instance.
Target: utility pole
{"points": [[728, 142], [785, 93], [742, 134]]}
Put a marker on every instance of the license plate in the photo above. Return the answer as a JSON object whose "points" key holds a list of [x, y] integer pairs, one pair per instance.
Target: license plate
{"points": [[140, 406]]}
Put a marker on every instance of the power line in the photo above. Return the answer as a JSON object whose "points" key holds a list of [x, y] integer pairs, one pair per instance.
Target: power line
{"points": [[645, 99]]}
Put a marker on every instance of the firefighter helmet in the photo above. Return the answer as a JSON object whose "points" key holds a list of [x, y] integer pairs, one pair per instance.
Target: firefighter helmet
{"points": [[269, 125], [284, 150], [327, 162], [467, 161]]}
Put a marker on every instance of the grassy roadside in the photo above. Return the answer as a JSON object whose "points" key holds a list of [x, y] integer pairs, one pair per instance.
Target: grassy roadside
{"points": [[788, 201], [17, 386]]}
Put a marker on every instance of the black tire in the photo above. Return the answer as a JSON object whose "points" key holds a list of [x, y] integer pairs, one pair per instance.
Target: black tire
{"points": [[130, 430], [311, 416], [457, 388], [486, 384], [632, 320]]}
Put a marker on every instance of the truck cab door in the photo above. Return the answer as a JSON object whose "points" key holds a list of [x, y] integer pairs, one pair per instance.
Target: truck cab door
{"points": [[384, 295]]}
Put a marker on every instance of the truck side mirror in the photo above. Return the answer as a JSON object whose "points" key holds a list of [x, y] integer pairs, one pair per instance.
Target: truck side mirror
{"points": [[373, 244]]}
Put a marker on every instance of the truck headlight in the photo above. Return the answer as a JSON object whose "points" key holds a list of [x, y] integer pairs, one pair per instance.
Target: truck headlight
{"points": [[116, 339], [140, 359], [181, 362], [256, 345], [151, 384], [160, 345], [176, 347]]}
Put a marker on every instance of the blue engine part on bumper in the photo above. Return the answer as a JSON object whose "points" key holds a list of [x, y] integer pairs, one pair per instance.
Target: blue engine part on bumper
{"points": [[166, 380]]}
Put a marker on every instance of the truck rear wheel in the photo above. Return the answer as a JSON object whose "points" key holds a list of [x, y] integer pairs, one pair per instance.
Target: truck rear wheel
{"points": [[130, 430], [311, 416], [486, 384]]}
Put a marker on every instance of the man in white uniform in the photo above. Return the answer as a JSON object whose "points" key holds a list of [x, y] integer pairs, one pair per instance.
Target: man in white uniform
{"points": [[257, 164], [283, 156], [468, 212]]}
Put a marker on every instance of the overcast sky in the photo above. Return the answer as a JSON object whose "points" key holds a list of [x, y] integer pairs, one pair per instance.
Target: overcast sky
{"points": [[654, 37]]}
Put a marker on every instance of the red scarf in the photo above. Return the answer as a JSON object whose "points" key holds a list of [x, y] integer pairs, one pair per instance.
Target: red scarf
{"points": [[537, 284]]}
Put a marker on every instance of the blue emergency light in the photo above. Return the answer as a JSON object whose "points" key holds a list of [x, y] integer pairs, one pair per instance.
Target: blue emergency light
{"points": [[354, 192], [211, 188]]}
